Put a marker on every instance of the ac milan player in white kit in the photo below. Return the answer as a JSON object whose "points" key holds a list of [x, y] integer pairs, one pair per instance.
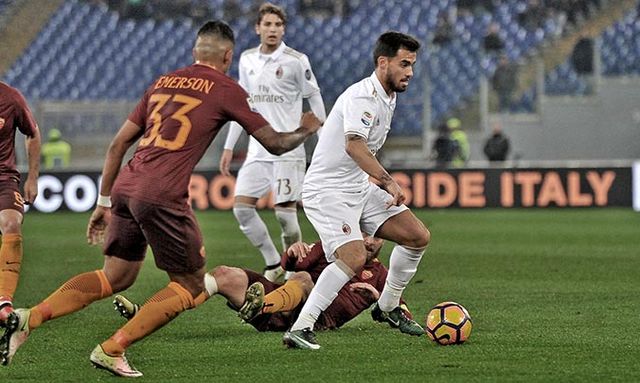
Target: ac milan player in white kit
{"points": [[341, 202], [277, 78]]}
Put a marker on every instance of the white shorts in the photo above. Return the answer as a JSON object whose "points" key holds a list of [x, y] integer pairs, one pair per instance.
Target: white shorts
{"points": [[283, 178], [340, 218]]}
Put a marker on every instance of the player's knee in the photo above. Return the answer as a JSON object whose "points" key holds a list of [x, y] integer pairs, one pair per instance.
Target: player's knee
{"points": [[121, 283], [423, 237], [226, 276], [120, 278], [417, 238], [220, 273], [354, 261], [304, 278], [11, 225]]}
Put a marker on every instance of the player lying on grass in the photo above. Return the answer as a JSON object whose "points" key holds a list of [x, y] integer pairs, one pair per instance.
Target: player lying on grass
{"points": [[270, 306]]}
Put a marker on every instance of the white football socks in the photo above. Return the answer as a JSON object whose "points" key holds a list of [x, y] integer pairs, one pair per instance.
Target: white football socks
{"points": [[402, 267], [210, 284], [256, 231], [288, 219], [329, 283]]}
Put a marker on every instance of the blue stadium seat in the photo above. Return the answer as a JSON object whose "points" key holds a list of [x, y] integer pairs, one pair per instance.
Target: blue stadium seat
{"points": [[86, 51]]}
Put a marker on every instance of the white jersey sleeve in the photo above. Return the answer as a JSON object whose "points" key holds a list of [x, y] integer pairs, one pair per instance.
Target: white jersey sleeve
{"points": [[359, 114], [316, 103], [235, 129], [306, 78]]}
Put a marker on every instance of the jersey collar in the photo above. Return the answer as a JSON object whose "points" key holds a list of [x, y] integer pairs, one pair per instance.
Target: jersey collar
{"points": [[377, 87], [273, 56]]}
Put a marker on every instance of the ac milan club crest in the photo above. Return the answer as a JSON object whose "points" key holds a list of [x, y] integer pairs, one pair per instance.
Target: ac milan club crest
{"points": [[279, 72], [346, 229]]}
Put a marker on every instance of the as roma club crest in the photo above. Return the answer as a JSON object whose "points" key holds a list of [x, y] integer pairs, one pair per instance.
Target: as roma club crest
{"points": [[1, 122], [346, 229], [279, 72]]}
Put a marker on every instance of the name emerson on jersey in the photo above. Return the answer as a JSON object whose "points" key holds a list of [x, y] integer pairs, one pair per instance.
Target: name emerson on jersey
{"points": [[178, 82]]}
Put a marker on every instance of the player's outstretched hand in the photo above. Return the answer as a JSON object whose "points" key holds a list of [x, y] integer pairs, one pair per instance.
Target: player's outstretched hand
{"points": [[310, 122], [366, 290], [98, 223], [298, 250], [396, 192], [225, 162]]}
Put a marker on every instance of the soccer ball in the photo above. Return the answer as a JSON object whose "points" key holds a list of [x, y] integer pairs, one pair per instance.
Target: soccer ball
{"points": [[448, 323]]}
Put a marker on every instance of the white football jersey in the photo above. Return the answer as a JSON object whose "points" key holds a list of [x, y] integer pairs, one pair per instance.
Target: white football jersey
{"points": [[364, 109], [276, 84]]}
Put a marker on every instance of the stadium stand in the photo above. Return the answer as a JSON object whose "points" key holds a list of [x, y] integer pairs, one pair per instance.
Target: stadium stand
{"points": [[89, 52], [619, 56], [4, 4], [86, 52]]}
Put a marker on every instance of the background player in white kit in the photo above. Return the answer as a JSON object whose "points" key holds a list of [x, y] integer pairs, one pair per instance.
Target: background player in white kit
{"points": [[340, 201], [277, 78]]}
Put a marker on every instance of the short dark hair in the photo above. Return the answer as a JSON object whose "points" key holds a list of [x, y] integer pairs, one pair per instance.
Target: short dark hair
{"points": [[390, 42], [267, 8], [217, 28]]}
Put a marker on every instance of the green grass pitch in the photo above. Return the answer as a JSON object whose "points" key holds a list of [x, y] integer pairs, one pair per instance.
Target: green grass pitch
{"points": [[554, 296]]}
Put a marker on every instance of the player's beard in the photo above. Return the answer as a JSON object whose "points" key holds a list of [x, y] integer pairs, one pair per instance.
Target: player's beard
{"points": [[396, 87]]}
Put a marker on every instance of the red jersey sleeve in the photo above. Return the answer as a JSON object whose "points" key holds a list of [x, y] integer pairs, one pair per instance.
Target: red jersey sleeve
{"points": [[288, 263], [23, 117], [139, 115], [238, 109]]}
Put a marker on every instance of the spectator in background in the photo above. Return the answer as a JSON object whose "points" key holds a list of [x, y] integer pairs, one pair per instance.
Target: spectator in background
{"points": [[317, 8], [56, 153], [461, 154], [493, 43], [582, 60], [135, 9], [444, 148], [505, 82], [199, 11], [467, 7], [496, 148], [465, 4], [533, 16], [444, 30], [232, 9], [490, 5]]}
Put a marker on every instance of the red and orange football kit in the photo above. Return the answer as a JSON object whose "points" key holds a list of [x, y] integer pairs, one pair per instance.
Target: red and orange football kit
{"points": [[283, 302], [14, 116], [181, 113]]}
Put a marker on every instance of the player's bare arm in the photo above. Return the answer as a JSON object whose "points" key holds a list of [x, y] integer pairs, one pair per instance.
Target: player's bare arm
{"points": [[278, 143], [33, 154], [225, 162], [357, 149], [124, 139]]}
